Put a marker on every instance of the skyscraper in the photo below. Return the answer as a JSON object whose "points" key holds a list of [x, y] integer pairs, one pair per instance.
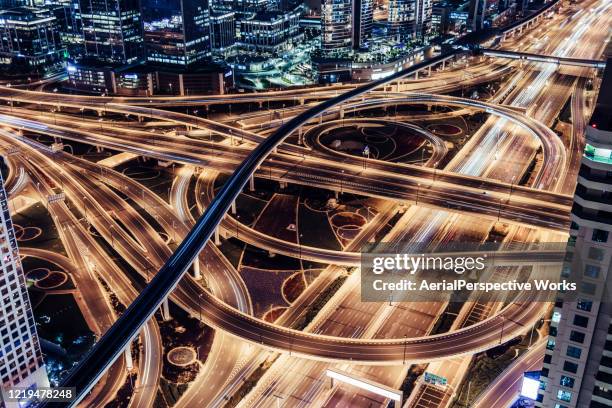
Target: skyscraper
{"points": [[346, 25], [21, 362], [176, 31], [112, 30], [337, 28], [363, 12], [409, 19], [30, 38], [481, 13], [578, 362]]}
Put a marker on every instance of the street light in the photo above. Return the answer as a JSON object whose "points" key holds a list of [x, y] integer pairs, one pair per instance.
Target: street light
{"points": [[200, 305]]}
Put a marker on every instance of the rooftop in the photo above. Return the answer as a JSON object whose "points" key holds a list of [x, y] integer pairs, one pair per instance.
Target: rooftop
{"points": [[25, 14], [602, 115]]}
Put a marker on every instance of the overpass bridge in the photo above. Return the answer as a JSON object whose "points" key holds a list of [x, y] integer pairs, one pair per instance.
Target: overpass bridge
{"points": [[544, 58]]}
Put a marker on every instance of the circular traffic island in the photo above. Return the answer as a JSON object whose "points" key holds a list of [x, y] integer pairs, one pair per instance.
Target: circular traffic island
{"points": [[141, 173], [29, 233], [182, 356], [38, 274], [445, 130], [347, 224], [53, 280]]}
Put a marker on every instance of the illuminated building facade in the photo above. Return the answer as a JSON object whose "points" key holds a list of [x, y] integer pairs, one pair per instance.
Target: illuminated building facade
{"points": [[346, 25], [337, 28], [578, 362], [222, 30], [112, 30], [176, 32], [270, 31], [21, 362], [482, 13], [30, 38], [363, 12], [409, 20]]}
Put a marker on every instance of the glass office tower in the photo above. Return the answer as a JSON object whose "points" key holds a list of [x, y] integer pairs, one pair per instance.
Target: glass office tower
{"points": [[176, 32], [112, 30]]}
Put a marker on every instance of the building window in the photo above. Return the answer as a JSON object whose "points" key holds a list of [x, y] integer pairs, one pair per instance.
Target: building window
{"points": [[592, 271], [570, 367], [560, 406], [573, 351], [596, 254], [600, 235], [588, 288], [585, 305], [564, 395], [551, 344], [567, 381], [581, 321], [577, 336]]}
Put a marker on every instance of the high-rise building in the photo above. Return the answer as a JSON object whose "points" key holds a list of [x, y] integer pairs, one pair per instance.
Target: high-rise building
{"points": [[336, 27], [271, 31], [482, 13], [21, 362], [176, 32], [578, 361], [222, 30], [346, 25], [409, 20], [363, 12], [253, 6], [30, 38], [112, 30]]}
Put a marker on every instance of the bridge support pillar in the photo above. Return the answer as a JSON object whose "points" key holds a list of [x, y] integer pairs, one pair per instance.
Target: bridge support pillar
{"points": [[129, 364], [397, 86], [429, 70], [165, 310], [443, 64], [196, 269], [300, 136], [283, 184], [302, 101], [341, 113], [252, 183], [234, 207], [416, 75], [260, 103], [336, 194], [99, 149], [217, 238]]}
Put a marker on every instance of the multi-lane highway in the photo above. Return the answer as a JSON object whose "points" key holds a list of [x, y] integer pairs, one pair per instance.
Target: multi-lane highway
{"points": [[476, 183]]}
